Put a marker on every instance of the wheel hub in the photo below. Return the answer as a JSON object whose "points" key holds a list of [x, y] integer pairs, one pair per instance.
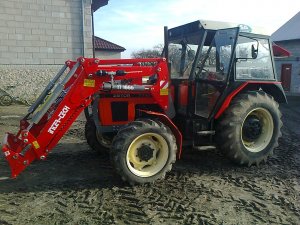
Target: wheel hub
{"points": [[252, 128], [145, 153]]}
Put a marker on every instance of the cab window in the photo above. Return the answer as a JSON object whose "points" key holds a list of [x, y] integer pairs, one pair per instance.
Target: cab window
{"points": [[249, 66]]}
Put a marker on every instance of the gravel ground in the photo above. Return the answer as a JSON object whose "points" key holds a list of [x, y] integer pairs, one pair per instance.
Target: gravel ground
{"points": [[78, 186]]}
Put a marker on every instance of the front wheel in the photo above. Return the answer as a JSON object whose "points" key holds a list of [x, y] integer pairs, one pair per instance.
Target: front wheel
{"points": [[249, 130], [100, 142], [143, 151]]}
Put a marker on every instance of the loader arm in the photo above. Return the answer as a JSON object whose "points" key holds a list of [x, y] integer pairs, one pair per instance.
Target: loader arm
{"points": [[68, 94]]}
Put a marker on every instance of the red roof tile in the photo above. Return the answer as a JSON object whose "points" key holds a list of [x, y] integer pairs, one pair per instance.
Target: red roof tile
{"points": [[101, 44]]}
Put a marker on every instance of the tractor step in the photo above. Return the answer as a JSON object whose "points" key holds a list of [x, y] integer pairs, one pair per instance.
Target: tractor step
{"points": [[204, 148], [206, 132]]}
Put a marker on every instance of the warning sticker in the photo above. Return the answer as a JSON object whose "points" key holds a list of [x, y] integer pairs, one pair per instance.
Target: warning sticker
{"points": [[89, 83], [164, 87], [36, 144], [164, 92]]}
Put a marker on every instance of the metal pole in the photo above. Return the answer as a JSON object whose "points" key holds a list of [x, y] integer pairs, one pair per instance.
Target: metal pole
{"points": [[82, 18], [166, 40], [93, 32]]}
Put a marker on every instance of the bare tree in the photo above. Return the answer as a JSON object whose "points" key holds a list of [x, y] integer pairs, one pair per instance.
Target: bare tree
{"points": [[155, 52]]}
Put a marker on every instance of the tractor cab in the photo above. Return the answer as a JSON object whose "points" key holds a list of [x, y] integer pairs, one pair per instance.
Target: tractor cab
{"points": [[208, 61], [206, 56]]}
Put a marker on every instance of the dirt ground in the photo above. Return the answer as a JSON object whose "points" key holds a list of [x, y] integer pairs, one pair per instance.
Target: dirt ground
{"points": [[78, 186]]}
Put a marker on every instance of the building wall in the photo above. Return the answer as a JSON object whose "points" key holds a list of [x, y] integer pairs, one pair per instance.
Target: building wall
{"points": [[25, 82], [294, 47], [42, 31], [107, 55], [35, 37]]}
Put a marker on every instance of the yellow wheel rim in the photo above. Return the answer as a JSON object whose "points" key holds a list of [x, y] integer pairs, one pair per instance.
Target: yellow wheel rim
{"points": [[147, 154], [267, 126]]}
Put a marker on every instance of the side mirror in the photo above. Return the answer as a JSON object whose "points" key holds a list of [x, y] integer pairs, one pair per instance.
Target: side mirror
{"points": [[247, 49], [254, 52]]}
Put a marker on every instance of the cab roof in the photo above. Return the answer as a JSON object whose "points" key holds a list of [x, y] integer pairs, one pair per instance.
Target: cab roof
{"points": [[201, 25]]}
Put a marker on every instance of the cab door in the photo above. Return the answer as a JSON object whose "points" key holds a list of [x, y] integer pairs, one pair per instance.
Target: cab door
{"points": [[212, 69]]}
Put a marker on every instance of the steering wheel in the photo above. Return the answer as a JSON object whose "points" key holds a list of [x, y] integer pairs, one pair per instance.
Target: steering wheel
{"points": [[200, 74]]}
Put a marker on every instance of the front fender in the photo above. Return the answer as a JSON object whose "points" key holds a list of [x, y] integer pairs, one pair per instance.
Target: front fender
{"points": [[167, 121]]}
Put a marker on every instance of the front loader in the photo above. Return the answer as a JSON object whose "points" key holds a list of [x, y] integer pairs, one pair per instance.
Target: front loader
{"points": [[216, 87], [68, 94]]}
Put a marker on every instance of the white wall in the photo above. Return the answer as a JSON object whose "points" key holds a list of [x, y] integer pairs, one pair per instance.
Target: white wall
{"points": [[294, 47], [107, 54]]}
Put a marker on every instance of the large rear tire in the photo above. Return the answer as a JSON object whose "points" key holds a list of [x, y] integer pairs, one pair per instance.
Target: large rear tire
{"points": [[249, 130], [97, 141], [143, 151]]}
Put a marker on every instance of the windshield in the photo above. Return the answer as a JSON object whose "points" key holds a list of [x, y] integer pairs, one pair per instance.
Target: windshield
{"points": [[213, 59], [182, 57], [182, 54]]}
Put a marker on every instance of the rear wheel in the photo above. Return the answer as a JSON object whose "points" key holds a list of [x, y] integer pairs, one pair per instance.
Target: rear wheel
{"points": [[249, 129], [100, 142], [143, 151]]}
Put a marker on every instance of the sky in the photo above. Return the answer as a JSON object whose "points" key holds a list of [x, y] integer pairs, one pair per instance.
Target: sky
{"points": [[138, 24]]}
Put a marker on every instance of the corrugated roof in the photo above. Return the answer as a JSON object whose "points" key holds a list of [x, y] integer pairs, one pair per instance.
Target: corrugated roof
{"points": [[288, 31], [101, 44]]}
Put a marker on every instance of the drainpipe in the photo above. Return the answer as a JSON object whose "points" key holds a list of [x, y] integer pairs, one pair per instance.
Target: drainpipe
{"points": [[93, 31], [82, 15]]}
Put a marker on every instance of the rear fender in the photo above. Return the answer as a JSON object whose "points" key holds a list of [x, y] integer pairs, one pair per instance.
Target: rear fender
{"points": [[273, 88]]}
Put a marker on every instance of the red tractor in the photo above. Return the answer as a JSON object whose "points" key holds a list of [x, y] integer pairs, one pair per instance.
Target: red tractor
{"points": [[215, 87]]}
